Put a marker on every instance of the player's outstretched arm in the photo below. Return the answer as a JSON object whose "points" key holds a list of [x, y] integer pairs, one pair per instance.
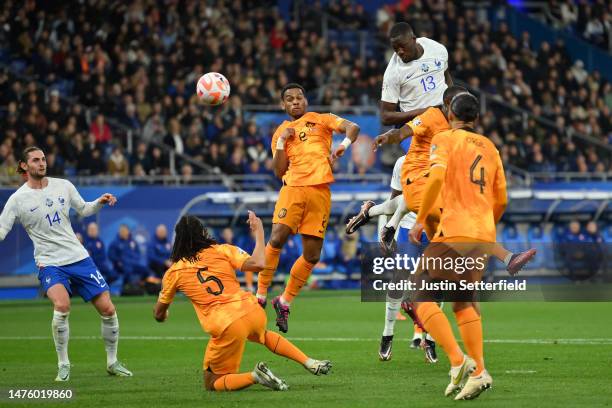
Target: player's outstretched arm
{"points": [[257, 261], [432, 190], [393, 136], [351, 130], [160, 312], [87, 208], [390, 117]]}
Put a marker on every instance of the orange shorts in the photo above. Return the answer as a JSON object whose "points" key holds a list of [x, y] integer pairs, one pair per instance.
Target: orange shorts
{"points": [[304, 209], [224, 353], [415, 192]]}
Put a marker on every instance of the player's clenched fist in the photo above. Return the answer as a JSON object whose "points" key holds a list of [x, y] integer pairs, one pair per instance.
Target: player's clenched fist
{"points": [[107, 198]]}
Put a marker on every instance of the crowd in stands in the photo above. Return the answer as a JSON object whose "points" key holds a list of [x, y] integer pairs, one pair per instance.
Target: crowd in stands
{"points": [[139, 71], [591, 20]]}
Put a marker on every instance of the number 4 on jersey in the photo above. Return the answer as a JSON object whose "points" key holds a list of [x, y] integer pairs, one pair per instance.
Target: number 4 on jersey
{"points": [[481, 180]]}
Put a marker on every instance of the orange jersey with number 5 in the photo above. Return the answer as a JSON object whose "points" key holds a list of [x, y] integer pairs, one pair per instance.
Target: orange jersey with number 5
{"points": [[212, 286], [424, 127], [474, 183], [309, 150]]}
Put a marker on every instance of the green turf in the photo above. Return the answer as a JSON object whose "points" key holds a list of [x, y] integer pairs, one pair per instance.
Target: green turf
{"points": [[168, 372]]}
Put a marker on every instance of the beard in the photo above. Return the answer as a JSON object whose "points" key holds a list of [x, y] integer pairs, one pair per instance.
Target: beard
{"points": [[37, 174]]}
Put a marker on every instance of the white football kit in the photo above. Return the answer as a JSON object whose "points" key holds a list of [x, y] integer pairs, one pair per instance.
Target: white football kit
{"points": [[44, 213], [409, 219], [419, 83]]}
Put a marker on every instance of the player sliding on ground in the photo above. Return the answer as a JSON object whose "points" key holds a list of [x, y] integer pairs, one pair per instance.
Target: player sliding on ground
{"points": [[206, 273], [42, 205], [303, 159], [467, 169]]}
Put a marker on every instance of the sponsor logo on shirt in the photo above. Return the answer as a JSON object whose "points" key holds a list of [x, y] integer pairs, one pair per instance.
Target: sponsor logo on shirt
{"points": [[33, 209]]}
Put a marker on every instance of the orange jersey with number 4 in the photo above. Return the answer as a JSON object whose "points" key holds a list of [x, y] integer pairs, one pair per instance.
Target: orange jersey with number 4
{"points": [[212, 286], [474, 184], [424, 127], [309, 150]]}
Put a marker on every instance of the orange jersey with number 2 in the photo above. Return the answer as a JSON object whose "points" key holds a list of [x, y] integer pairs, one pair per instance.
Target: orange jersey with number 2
{"points": [[309, 150], [212, 286], [473, 185]]}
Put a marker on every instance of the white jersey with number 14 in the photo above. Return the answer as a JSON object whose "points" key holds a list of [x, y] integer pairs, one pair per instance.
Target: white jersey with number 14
{"points": [[45, 215]]}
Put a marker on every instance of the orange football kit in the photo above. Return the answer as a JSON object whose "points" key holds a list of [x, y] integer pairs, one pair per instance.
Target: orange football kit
{"points": [[229, 314], [304, 201]]}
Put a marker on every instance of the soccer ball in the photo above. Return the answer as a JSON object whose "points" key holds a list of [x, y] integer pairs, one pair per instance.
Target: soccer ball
{"points": [[213, 88]]}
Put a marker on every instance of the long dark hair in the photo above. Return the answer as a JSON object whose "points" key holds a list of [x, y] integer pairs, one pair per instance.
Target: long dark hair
{"points": [[24, 157], [190, 238]]}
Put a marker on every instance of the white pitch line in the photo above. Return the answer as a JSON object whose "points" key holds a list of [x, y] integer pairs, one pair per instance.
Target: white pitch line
{"points": [[520, 371], [577, 341]]}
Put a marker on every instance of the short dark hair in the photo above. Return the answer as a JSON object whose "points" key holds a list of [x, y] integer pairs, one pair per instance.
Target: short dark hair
{"points": [[292, 85], [465, 106], [400, 29], [25, 156], [450, 93]]}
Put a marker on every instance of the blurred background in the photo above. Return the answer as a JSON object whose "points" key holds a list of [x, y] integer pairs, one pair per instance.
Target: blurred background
{"points": [[107, 89]]}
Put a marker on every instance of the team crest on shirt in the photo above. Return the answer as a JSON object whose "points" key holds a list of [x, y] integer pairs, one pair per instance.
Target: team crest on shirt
{"points": [[282, 213], [49, 202], [61, 200], [417, 122], [438, 63], [425, 67]]}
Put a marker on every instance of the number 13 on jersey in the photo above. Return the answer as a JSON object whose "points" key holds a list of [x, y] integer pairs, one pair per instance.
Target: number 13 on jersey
{"points": [[428, 83]]}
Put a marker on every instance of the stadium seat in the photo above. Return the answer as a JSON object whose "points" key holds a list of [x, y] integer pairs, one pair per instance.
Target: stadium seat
{"points": [[542, 242]]}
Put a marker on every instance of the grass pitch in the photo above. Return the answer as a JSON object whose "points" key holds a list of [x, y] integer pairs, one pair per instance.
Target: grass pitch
{"points": [[539, 354]]}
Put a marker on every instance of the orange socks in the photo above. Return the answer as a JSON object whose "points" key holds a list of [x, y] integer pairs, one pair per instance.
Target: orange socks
{"points": [[470, 327], [300, 272], [438, 326], [283, 347], [265, 275], [233, 382]]}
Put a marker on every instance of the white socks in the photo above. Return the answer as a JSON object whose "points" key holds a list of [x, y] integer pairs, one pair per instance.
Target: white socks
{"points": [[110, 334], [61, 334], [284, 302], [399, 213], [392, 307], [387, 207]]}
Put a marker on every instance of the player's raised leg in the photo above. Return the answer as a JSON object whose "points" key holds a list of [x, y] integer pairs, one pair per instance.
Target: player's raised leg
{"points": [[279, 236], [298, 276], [60, 328], [110, 334]]}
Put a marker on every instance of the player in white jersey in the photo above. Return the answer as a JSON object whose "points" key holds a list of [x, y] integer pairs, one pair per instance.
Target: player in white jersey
{"points": [[42, 206], [416, 77]]}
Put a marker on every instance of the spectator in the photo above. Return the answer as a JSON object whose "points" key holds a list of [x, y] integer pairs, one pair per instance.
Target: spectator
{"points": [[126, 258], [159, 251], [97, 251], [117, 163], [174, 139], [101, 130]]}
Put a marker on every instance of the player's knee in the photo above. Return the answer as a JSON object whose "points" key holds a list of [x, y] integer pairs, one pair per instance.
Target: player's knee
{"points": [[458, 306], [278, 238], [61, 305], [209, 380], [312, 258], [107, 309]]}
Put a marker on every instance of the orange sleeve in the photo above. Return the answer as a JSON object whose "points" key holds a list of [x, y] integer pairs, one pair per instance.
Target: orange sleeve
{"points": [[169, 287], [438, 154], [332, 121], [420, 124], [235, 255]]}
